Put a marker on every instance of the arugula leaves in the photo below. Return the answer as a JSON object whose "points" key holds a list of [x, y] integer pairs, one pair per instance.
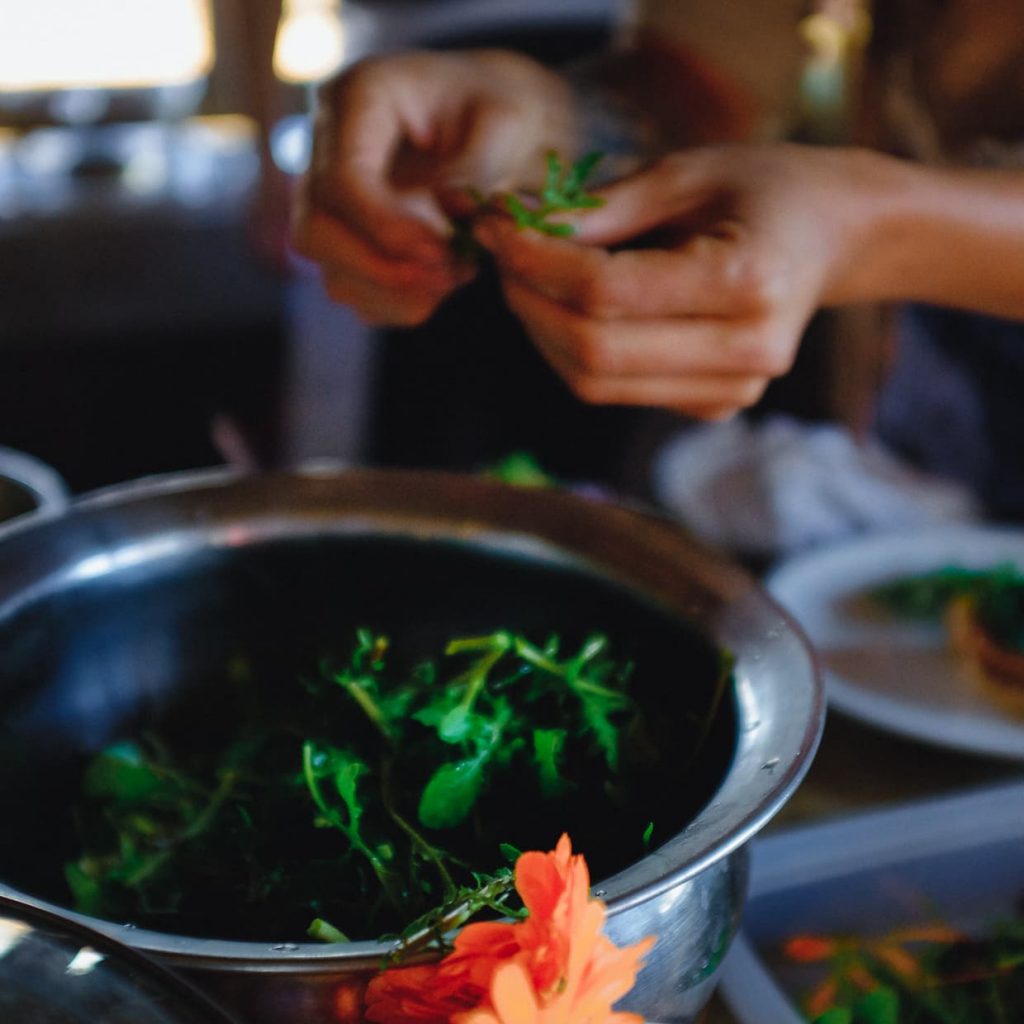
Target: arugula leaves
{"points": [[563, 191], [326, 763], [155, 824], [366, 797]]}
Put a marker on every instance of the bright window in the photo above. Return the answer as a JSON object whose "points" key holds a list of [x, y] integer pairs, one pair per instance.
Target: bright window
{"points": [[310, 41], [106, 44]]}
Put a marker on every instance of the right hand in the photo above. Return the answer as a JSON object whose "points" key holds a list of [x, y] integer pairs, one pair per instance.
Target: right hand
{"points": [[398, 141], [691, 287]]}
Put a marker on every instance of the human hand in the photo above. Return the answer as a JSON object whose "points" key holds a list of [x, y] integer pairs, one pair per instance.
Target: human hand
{"points": [[730, 252], [398, 141]]}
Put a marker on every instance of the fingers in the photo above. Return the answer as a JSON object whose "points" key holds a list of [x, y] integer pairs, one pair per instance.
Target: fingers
{"points": [[706, 396], [382, 307], [708, 368], [707, 276], [675, 187], [489, 152], [383, 246], [651, 346], [698, 324], [393, 136], [380, 289], [361, 127]]}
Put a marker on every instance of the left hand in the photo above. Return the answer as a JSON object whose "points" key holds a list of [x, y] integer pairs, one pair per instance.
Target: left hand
{"points": [[732, 251]]}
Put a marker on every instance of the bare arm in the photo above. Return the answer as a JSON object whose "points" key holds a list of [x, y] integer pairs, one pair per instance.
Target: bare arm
{"points": [[691, 287], [941, 236]]}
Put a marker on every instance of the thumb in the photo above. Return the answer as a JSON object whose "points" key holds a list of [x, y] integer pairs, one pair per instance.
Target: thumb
{"points": [[637, 205]]}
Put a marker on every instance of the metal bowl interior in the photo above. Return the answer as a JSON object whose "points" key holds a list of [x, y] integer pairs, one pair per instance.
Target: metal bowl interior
{"points": [[135, 600]]}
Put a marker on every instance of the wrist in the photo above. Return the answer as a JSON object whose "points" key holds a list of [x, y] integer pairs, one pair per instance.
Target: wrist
{"points": [[941, 236], [875, 199]]}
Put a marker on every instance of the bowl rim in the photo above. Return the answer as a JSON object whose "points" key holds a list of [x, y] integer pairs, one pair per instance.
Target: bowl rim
{"points": [[42, 483], [776, 739]]}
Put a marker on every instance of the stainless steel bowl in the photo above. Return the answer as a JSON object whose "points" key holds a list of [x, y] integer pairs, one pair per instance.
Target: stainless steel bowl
{"points": [[28, 485], [99, 613]]}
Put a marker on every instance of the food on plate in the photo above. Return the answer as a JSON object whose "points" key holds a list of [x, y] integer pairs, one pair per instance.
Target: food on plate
{"points": [[996, 661], [983, 610], [381, 792], [924, 974]]}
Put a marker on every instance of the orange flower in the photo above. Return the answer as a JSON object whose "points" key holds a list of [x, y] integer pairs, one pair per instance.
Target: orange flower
{"points": [[555, 967], [807, 949], [822, 999]]}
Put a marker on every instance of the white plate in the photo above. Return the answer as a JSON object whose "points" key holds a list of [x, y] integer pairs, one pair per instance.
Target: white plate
{"points": [[891, 673]]}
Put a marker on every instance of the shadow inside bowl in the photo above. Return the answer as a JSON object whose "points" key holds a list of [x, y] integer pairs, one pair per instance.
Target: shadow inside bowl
{"points": [[176, 641]]}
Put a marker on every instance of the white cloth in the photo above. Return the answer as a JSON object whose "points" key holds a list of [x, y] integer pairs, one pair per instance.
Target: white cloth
{"points": [[783, 486]]}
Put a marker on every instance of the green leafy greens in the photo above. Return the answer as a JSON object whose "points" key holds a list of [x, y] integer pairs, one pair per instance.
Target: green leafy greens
{"points": [[367, 796], [996, 594], [564, 190], [927, 975]]}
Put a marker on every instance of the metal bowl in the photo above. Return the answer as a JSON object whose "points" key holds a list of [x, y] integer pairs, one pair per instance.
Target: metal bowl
{"points": [[54, 971], [28, 485], [107, 611]]}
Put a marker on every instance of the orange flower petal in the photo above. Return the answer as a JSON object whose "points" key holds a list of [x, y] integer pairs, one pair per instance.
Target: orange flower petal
{"points": [[490, 937], [539, 883], [899, 961], [927, 933], [807, 949], [513, 996], [555, 967], [822, 998], [477, 1016]]}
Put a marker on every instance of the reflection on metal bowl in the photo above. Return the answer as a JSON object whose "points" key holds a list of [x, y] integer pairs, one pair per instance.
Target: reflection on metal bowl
{"points": [[28, 485], [139, 594]]}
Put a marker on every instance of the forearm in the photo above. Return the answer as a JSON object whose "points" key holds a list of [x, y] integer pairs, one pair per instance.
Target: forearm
{"points": [[935, 235]]}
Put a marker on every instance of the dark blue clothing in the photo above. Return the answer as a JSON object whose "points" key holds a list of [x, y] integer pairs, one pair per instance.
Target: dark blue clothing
{"points": [[953, 403]]}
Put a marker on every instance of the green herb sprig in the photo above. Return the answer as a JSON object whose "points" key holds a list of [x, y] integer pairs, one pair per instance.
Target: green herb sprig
{"points": [[565, 190], [374, 793], [412, 760]]}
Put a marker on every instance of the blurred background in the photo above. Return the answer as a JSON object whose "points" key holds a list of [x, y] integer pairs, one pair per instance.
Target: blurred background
{"points": [[152, 318]]}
